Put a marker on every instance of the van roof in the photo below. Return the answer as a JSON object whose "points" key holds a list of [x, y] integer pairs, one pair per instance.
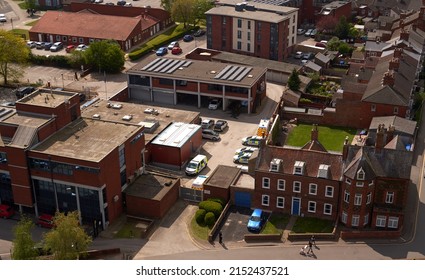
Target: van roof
{"points": [[199, 157]]}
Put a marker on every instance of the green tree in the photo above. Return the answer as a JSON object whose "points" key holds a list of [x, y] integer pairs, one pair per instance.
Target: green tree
{"points": [[333, 44], [294, 81], [67, 239], [166, 5], [30, 4], [184, 11], [23, 247], [342, 28], [13, 55], [105, 56], [345, 48]]}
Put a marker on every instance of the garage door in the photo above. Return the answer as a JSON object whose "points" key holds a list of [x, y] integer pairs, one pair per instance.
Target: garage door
{"points": [[163, 97], [190, 194], [140, 94], [243, 199]]}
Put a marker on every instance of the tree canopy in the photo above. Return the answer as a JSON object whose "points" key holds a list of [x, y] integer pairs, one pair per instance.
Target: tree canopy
{"points": [[105, 56], [342, 29], [23, 246], [14, 54], [294, 81], [189, 11]]}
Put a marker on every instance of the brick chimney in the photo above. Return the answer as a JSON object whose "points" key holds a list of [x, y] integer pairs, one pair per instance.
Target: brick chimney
{"points": [[388, 79], [314, 133], [404, 35], [397, 52], [345, 148], [390, 133], [379, 141], [394, 64]]}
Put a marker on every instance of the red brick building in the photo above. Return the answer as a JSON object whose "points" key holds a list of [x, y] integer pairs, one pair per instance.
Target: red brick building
{"points": [[259, 30], [334, 10]]}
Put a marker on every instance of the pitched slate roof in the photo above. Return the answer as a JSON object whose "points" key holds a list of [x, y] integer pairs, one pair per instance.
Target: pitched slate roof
{"points": [[400, 124], [396, 144], [323, 58], [373, 46]]}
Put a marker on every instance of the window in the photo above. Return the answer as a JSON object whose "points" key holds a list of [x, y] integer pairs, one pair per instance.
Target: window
{"points": [[81, 40], [357, 199], [344, 217], [355, 220], [258, 37], [359, 184], [366, 219], [395, 111], [393, 222], [239, 34], [348, 181], [265, 199], [239, 23], [389, 197], [239, 45], [266, 183], [360, 174], [381, 221], [58, 38], [259, 26], [373, 107], [249, 36], [369, 198], [3, 157], [248, 47], [223, 20], [293, 19], [312, 189], [329, 191], [347, 196], [293, 29], [297, 187], [280, 202], [281, 185], [299, 168], [312, 206], [122, 156], [74, 39], [327, 209], [249, 24], [64, 38]]}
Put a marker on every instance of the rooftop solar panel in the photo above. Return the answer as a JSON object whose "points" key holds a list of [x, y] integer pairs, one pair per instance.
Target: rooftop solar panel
{"points": [[229, 72], [187, 63], [176, 66], [243, 74], [222, 72], [165, 69], [150, 64], [164, 65], [237, 72], [157, 64]]}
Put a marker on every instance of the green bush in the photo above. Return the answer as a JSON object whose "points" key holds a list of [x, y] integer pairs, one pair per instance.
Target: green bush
{"points": [[200, 216], [209, 219], [219, 200], [51, 60], [211, 206], [140, 52]]}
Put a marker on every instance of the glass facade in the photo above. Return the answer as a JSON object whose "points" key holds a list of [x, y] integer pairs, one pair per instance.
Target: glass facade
{"points": [[6, 194]]}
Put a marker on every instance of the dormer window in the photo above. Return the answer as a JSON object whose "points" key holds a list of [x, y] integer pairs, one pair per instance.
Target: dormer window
{"points": [[360, 174], [323, 171], [275, 165], [299, 167]]}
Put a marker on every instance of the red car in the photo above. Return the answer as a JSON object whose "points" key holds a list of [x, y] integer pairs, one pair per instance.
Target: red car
{"points": [[6, 211], [45, 220], [176, 50], [69, 48]]}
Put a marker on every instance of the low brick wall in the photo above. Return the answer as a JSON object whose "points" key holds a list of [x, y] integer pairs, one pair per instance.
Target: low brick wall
{"points": [[263, 237], [306, 236], [370, 234], [218, 222]]}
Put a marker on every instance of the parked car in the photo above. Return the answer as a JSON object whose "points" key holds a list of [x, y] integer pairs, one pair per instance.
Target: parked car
{"points": [[256, 220], [39, 45], [221, 125], [308, 56], [47, 46], [173, 44], [22, 91], [252, 141], [176, 50], [320, 45], [214, 104], [70, 48], [188, 38], [207, 123], [56, 47], [81, 47], [3, 18], [6, 211], [121, 2], [196, 165], [210, 134], [300, 31], [128, 5], [308, 33], [242, 158], [161, 51], [98, 1], [313, 33], [45, 220], [298, 55], [199, 33], [246, 150], [31, 44]]}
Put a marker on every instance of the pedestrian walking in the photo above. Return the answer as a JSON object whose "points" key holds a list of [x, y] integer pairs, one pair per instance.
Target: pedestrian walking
{"points": [[310, 247], [220, 237], [313, 240]]}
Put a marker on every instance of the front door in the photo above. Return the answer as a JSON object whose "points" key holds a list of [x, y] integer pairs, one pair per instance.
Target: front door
{"points": [[296, 206]]}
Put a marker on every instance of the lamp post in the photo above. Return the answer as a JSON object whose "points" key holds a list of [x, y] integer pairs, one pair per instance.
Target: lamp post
{"points": [[63, 83]]}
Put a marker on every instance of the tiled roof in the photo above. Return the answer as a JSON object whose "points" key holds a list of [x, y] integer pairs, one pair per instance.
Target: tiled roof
{"points": [[396, 144], [373, 46], [89, 25], [400, 124], [359, 161]]}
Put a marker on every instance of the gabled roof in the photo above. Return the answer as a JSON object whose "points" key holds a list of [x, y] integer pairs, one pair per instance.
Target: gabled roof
{"points": [[396, 144], [88, 25], [313, 66], [373, 46], [400, 124], [360, 161], [323, 58], [314, 145]]}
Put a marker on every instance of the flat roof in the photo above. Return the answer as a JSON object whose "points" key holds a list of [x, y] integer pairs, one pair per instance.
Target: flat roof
{"points": [[47, 98], [139, 115], [257, 15], [194, 70], [222, 177], [151, 186], [26, 120], [87, 139], [176, 134], [245, 181]]}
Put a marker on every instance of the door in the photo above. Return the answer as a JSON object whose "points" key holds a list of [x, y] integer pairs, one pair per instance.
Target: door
{"points": [[243, 199], [296, 206]]}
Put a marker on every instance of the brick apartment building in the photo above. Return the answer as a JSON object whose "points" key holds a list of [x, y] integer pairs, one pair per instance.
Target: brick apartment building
{"points": [[169, 81], [54, 159], [256, 29]]}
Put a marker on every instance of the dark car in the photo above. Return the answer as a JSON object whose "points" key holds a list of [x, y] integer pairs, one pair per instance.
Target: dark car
{"points": [[220, 125], [47, 46], [22, 91], [121, 2], [199, 33], [188, 38]]}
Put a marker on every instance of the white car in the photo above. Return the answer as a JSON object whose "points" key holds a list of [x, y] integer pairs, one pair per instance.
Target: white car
{"points": [[56, 47], [173, 44], [3, 18], [246, 150], [31, 44], [298, 55], [308, 33], [214, 104], [81, 47]]}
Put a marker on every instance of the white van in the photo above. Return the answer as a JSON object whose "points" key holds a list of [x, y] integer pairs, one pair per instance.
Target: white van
{"points": [[196, 165]]}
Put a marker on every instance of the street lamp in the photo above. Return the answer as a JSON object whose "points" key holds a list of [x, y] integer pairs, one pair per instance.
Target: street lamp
{"points": [[63, 83]]}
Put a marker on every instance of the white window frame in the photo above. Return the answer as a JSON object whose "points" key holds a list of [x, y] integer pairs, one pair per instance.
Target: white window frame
{"points": [[344, 217], [359, 184], [332, 191], [389, 198], [366, 219], [81, 40], [280, 200], [346, 196], [327, 209], [348, 181], [281, 184], [360, 174], [312, 189], [265, 200], [395, 110], [274, 167], [296, 184], [371, 183], [265, 183], [393, 222], [358, 199], [381, 221], [355, 219], [312, 204], [373, 106], [369, 198]]}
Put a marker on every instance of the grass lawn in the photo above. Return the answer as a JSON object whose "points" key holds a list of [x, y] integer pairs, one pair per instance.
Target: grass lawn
{"points": [[199, 231], [312, 225], [32, 23], [22, 32], [276, 224], [167, 34], [129, 230], [332, 138]]}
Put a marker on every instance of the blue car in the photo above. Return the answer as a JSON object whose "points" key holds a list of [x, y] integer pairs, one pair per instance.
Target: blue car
{"points": [[161, 51], [188, 38], [256, 221]]}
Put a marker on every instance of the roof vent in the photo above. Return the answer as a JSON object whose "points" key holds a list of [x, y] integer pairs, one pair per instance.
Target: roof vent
{"points": [[127, 117], [117, 106], [250, 76], [96, 116], [213, 72]]}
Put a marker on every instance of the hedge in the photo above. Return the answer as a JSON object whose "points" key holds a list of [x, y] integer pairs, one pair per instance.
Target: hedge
{"points": [[219, 200], [51, 60], [209, 219], [200, 216], [211, 206]]}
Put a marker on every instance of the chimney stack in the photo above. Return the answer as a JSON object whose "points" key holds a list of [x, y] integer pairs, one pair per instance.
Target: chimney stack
{"points": [[394, 64], [404, 35], [345, 148], [314, 133], [379, 141], [390, 133], [388, 79]]}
